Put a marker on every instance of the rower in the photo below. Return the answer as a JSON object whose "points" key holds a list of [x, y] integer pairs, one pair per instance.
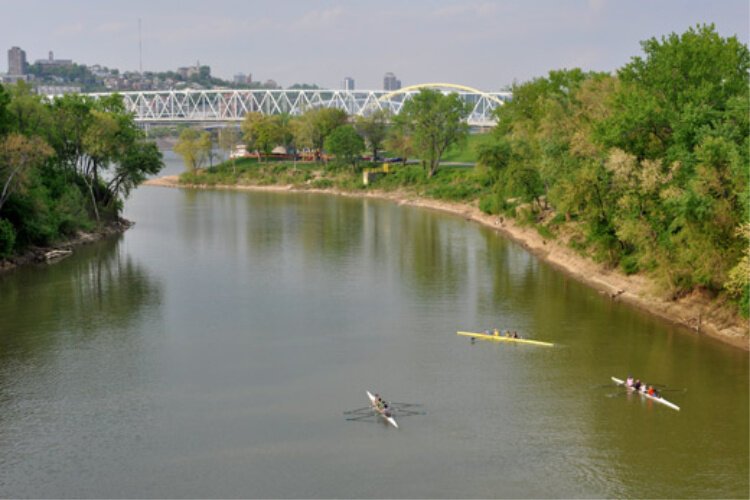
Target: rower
{"points": [[651, 391], [515, 335], [629, 381], [496, 332], [637, 384]]}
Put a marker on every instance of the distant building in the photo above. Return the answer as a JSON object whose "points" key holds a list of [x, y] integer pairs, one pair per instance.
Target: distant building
{"points": [[14, 78], [390, 82], [197, 70], [188, 71], [51, 62], [16, 61], [348, 83], [243, 78], [58, 89]]}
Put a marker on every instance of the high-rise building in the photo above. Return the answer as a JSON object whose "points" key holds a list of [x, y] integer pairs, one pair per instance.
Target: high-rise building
{"points": [[16, 61], [348, 83], [390, 82]]}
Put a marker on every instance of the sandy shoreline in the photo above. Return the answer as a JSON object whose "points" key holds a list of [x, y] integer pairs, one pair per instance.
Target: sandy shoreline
{"points": [[695, 312]]}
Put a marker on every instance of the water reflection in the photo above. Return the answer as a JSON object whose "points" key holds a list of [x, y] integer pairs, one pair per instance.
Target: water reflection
{"points": [[100, 286]]}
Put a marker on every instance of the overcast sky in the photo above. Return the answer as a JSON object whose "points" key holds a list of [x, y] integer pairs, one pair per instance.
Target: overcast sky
{"points": [[481, 43]]}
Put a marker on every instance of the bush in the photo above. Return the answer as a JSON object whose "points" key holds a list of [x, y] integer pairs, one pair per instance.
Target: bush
{"points": [[322, 183], [489, 204], [458, 191], [7, 238], [629, 264], [408, 175]]}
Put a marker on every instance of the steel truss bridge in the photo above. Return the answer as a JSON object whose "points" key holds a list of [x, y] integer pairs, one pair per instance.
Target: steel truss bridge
{"points": [[226, 106]]}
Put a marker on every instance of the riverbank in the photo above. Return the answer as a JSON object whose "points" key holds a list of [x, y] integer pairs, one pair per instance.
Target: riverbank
{"points": [[62, 249], [696, 311]]}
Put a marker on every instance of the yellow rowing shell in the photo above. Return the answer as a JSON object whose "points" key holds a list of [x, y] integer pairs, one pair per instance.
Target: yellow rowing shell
{"points": [[502, 338]]}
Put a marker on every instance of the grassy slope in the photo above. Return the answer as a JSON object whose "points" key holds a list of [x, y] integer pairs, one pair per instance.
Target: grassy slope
{"points": [[468, 152]]}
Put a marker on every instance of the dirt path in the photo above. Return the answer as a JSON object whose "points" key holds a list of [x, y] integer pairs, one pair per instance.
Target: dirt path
{"points": [[695, 311]]}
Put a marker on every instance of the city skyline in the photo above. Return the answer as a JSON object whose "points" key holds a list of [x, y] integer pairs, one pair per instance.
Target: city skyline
{"points": [[487, 45]]}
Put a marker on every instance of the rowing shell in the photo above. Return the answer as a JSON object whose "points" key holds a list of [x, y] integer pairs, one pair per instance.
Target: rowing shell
{"points": [[388, 419], [647, 396], [500, 338]]}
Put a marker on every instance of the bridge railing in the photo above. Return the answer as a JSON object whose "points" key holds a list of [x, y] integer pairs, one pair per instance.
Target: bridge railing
{"points": [[206, 106]]}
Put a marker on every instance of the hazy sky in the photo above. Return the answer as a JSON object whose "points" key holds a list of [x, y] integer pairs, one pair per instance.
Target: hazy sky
{"points": [[481, 43]]}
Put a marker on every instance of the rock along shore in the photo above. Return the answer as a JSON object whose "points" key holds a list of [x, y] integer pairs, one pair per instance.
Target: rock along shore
{"points": [[696, 311]]}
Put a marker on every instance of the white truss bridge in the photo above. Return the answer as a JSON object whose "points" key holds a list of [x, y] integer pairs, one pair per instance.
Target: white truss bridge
{"points": [[226, 106]]}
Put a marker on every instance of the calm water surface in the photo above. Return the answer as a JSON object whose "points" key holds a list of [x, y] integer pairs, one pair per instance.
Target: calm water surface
{"points": [[212, 350]]}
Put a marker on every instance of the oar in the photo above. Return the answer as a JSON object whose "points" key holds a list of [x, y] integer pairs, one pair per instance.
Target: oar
{"points": [[362, 417], [358, 410]]}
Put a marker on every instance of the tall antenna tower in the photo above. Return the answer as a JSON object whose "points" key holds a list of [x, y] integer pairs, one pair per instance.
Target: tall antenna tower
{"points": [[140, 48]]}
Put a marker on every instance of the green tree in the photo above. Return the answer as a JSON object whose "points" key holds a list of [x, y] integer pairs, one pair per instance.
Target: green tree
{"points": [[5, 115], [346, 144], [436, 122], [268, 133], [316, 124], [249, 129], [374, 129], [399, 141], [138, 161], [18, 155], [289, 125], [194, 147], [676, 94], [29, 114]]}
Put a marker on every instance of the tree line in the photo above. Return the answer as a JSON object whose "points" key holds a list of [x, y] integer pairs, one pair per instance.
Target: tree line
{"points": [[65, 165], [645, 169], [428, 124]]}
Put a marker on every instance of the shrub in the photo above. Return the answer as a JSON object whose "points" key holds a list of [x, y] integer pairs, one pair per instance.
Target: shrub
{"points": [[489, 204], [7, 238], [322, 183], [629, 264], [458, 191]]}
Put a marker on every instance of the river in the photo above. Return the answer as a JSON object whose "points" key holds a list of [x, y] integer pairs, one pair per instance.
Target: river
{"points": [[214, 349]]}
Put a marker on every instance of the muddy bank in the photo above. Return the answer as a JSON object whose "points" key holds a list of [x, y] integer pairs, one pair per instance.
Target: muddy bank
{"points": [[62, 249], [697, 312]]}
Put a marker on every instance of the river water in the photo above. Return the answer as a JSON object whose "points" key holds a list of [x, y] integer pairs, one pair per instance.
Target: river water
{"points": [[214, 348]]}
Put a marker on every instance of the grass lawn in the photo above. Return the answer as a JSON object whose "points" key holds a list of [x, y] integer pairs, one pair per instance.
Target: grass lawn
{"points": [[468, 153]]}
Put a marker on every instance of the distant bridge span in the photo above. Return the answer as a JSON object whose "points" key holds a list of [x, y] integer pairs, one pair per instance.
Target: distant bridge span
{"points": [[231, 105]]}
